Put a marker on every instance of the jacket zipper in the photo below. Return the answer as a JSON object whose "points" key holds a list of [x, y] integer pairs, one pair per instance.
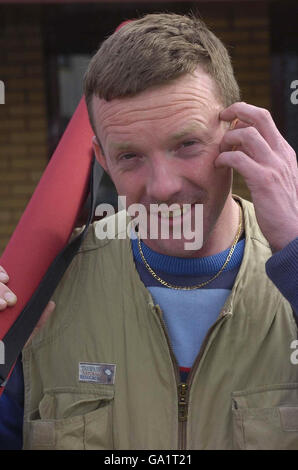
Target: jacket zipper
{"points": [[182, 387]]}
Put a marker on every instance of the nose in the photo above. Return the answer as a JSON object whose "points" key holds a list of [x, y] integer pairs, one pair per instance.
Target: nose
{"points": [[164, 181]]}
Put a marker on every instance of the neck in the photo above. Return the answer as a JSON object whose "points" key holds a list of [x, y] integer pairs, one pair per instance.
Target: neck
{"points": [[223, 232]]}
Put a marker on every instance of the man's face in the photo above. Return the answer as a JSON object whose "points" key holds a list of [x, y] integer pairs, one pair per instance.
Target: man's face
{"points": [[159, 147]]}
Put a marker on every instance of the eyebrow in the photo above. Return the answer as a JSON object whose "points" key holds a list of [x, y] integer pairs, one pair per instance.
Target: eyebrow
{"points": [[121, 146], [186, 131]]}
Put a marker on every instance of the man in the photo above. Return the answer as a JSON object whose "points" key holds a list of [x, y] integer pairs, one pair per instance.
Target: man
{"points": [[153, 346]]}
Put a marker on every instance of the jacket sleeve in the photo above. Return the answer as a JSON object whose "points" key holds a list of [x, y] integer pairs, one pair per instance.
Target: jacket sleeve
{"points": [[282, 269], [12, 410]]}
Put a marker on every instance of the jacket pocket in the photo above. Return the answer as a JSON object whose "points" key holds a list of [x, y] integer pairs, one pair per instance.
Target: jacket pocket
{"points": [[71, 421], [266, 418]]}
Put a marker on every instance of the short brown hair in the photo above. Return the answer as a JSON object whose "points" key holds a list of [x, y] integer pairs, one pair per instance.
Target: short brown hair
{"points": [[154, 50]]}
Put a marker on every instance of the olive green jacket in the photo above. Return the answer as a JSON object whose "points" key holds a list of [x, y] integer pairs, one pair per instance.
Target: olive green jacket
{"points": [[102, 375]]}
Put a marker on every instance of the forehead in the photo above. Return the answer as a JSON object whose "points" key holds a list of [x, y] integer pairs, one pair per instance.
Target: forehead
{"points": [[192, 95]]}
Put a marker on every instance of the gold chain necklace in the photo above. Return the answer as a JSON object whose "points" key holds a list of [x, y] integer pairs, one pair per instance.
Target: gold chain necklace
{"points": [[171, 286]]}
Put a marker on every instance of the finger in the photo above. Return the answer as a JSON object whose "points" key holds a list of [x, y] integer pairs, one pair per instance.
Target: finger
{"points": [[237, 124], [250, 141], [259, 118], [7, 297], [233, 124], [241, 124], [247, 167], [3, 275]]}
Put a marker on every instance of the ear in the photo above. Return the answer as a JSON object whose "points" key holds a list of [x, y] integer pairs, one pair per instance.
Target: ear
{"points": [[99, 153]]}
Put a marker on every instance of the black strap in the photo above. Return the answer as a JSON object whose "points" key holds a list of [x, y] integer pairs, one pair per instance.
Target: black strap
{"points": [[17, 336]]}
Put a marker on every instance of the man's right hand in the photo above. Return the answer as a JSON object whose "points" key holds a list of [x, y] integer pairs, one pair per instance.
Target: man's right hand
{"points": [[9, 299]]}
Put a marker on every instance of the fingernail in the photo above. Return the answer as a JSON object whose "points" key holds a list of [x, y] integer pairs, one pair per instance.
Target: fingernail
{"points": [[10, 297], [3, 277], [2, 303], [233, 124]]}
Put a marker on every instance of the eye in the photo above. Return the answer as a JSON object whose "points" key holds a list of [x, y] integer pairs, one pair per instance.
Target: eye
{"points": [[127, 156], [189, 148], [188, 143]]}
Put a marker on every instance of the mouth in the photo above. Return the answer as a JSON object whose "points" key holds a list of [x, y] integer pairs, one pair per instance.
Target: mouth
{"points": [[172, 214], [176, 213]]}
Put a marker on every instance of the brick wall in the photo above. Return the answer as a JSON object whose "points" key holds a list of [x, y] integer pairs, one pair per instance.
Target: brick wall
{"points": [[23, 123]]}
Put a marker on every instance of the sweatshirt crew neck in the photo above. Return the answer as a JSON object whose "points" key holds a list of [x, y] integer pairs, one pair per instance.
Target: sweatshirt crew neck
{"points": [[189, 266]]}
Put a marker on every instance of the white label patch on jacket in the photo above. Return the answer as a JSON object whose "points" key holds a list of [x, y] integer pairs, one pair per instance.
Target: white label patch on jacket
{"points": [[97, 373]]}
